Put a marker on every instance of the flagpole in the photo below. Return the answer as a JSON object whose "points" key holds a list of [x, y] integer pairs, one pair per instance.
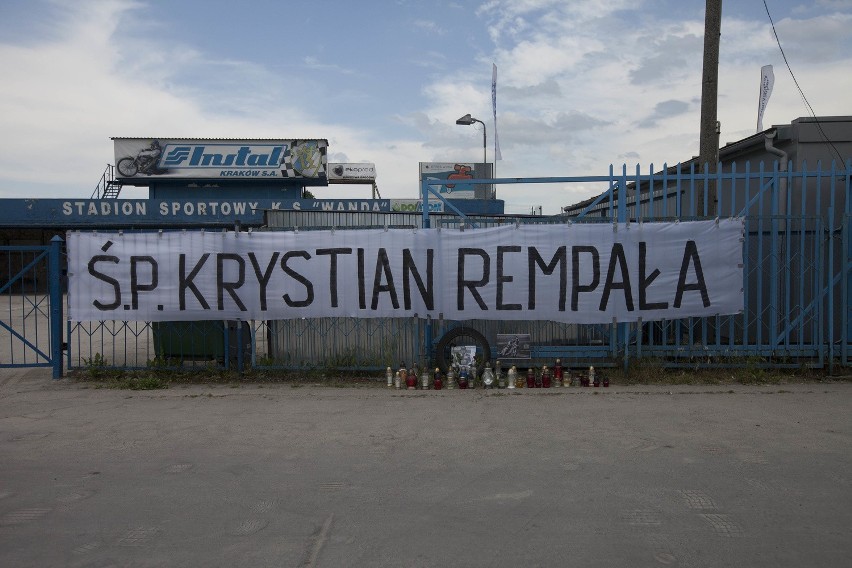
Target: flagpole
{"points": [[494, 109]]}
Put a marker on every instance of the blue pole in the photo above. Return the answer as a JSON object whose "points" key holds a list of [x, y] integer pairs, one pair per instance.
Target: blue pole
{"points": [[819, 285], [226, 333], [427, 332], [424, 196], [55, 306], [774, 299], [240, 346], [845, 289], [830, 280], [622, 218]]}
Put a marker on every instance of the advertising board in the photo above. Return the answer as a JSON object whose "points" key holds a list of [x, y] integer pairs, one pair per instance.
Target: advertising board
{"points": [[415, 206], [447, 171], [139, 160], [352, 173]]}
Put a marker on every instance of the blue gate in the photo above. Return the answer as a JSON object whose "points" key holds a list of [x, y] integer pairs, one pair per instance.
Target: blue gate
{"points": [[796, 274], [31, 306], [847, 287]]}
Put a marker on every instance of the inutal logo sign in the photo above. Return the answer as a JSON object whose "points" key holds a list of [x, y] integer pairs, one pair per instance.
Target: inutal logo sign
{"points": [[222, 155]]}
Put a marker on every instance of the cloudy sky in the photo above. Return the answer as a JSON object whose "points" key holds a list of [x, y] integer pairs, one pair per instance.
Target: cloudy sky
{"points": [[582, 84]]}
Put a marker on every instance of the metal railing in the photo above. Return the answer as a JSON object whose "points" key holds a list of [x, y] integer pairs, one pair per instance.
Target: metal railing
{"points": [[796, 277], [108, 187]]}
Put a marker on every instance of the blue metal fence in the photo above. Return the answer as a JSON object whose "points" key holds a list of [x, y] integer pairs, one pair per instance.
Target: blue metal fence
{"points": [[846, 348], [31, 306], [796, 253]]}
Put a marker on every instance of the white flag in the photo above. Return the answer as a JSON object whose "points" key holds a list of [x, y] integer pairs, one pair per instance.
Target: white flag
{"points": [[497, 155], [767, 81]]}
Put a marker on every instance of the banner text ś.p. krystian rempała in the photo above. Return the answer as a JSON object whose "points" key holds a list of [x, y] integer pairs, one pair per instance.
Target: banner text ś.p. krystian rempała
{"points": [[581, 273]]}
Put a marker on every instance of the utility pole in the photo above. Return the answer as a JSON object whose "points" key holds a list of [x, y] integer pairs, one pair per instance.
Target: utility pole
{"points": [[709, 136]]}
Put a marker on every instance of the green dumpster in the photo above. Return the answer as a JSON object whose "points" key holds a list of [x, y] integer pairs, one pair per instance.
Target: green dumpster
{"points": [[201, 340]]}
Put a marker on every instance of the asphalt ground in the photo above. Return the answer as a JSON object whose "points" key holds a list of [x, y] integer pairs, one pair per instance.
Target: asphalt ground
{"points": [[283, 475]]}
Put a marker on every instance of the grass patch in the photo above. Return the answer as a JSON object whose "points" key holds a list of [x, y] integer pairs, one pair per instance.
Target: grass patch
{"points": [[132, 383], [755, 372], [160, 374]]}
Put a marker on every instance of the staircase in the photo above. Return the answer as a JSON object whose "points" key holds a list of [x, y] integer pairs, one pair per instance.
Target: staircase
{"points": [[108, 187]]}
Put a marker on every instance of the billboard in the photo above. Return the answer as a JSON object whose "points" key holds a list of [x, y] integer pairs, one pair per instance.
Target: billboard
{"points": [[352, 173], [415, 206], [446, 171], [138, 161]]}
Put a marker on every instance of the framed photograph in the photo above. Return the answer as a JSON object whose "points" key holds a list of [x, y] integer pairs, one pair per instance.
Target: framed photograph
{"points": [[513, 345], [464, 356]]}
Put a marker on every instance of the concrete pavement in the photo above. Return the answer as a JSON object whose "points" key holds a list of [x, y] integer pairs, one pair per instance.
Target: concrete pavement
{"points": [[278, 475]]}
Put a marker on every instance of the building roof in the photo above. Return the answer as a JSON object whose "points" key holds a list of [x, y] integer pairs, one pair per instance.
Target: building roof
{"points": [[730, 151]]}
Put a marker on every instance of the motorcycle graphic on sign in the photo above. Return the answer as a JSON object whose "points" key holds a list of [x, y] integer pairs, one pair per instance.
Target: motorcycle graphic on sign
{"points": [[144, 162]]}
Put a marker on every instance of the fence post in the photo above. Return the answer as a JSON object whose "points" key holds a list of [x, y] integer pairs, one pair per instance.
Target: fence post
{"points": [[226, 336], [845, 291], [240, 361], [424, 197], [55, 291], [622, 332], [427, 338], [830, 281], [427, 341]]}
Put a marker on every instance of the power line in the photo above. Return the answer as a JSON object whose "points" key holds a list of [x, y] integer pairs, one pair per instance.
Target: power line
{"points": [[801, 92]]}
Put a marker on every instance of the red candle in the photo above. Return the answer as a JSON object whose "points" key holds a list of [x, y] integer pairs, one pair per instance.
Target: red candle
{"points": [[545, 378]]}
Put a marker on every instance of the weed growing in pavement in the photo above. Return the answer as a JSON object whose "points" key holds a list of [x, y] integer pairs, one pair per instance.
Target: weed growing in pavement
{"points": [[97, 367]]}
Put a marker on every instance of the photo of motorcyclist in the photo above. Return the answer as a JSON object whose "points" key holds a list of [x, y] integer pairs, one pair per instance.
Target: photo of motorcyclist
{"points": [[511, 349], [148, 158], [145, 161]]}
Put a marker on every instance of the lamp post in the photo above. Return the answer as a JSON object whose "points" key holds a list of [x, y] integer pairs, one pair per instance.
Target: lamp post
{"points": [[467, 120]]}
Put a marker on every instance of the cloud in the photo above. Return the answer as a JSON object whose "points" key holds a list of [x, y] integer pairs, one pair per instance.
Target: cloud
{"points": [[816, 40], [430, 60], [313, 62], [666, 59], [517, 130], [662, 111], [581, 84], [67, 92], [429, 26], [547, 88], [835, 4]]}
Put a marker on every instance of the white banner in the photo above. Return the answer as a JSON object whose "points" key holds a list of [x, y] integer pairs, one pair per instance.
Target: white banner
{"points": [[767, 81], [581, 273]]}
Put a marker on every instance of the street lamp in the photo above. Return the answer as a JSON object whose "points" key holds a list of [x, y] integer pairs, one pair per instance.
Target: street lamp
{"points": [[467, 120]]}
